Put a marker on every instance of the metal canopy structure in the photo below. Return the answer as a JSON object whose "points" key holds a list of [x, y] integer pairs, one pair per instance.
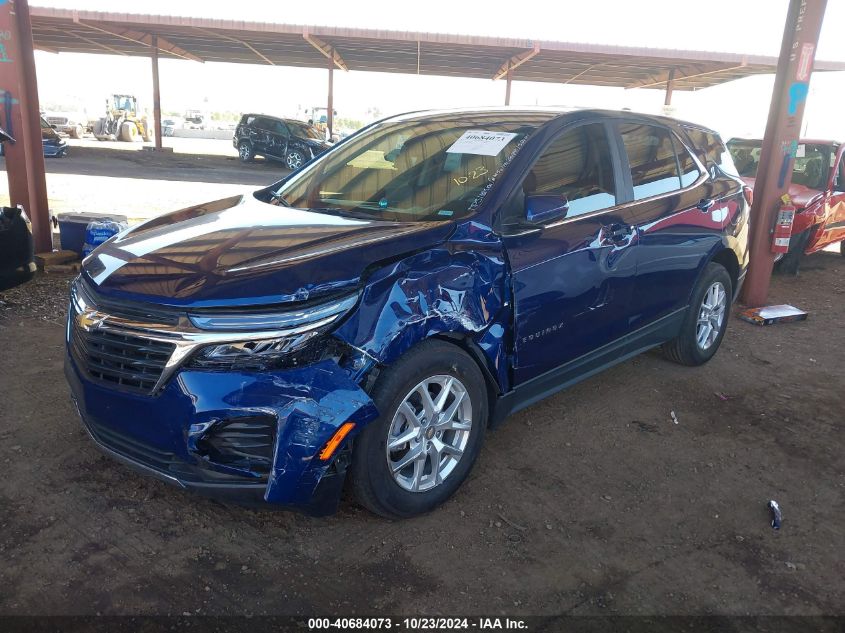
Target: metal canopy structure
{"points": [[203, 39]]}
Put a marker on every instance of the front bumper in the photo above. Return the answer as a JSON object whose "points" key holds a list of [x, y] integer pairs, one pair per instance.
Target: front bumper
{"points": [[163, 435], [55, 149]]}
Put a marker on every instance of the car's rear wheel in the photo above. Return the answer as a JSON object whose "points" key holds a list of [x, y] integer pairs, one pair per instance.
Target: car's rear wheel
{"points": [[415, 455], [245, 152], [842, 248], [706, 319], [295, 159]]}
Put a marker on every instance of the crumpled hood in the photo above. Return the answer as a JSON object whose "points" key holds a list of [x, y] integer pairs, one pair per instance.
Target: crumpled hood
{"points": [[801, 196], [240, 251]]}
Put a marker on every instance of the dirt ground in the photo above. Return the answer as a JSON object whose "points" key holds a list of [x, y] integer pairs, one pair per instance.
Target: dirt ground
{"points": [[591, 502]]}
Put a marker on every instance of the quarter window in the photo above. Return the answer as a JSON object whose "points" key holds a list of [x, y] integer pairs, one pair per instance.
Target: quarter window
{"points": [[689, 169], [577, 165], [651, 157]]}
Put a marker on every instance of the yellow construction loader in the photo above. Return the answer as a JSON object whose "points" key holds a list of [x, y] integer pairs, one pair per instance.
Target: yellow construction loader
{"points": [[123, 121]]}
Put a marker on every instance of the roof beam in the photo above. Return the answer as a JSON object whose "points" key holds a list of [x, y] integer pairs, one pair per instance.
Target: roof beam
{"points": [[96, 44], [139, 37], [517, 60], [258, 53], [46, 49], [326, 49], [676, 76]]}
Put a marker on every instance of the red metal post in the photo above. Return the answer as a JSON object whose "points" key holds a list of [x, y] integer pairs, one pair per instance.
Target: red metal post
{"points": [[774, 171], [24, 159], [156, 95], [508, 86], [330, 112]]}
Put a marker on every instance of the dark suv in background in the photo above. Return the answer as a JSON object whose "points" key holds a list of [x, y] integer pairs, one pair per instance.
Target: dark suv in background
{"points": [[374, 312], [288, 140]]}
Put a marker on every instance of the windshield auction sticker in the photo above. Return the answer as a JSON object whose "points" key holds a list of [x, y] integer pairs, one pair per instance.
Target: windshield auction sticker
{"points": [[481, 143]]}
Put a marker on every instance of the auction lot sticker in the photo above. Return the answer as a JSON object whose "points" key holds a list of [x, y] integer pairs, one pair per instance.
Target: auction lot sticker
{"points": [[481, 143]]}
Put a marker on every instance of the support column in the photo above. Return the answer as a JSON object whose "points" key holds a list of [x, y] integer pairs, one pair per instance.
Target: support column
{"points": [[24, 159], [156, 95], [508, 85], [777, 155], [330, 110], [670, 84]]}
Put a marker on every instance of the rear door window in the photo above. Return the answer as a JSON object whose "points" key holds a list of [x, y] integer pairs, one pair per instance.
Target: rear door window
{"points": [[651, 157], [577, 165]]}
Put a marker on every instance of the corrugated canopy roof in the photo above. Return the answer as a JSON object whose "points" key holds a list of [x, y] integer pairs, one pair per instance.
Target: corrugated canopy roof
{"points": [[204, 39]]}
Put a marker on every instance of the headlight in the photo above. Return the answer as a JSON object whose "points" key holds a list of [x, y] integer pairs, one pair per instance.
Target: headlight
{"points": [[283, 338]]}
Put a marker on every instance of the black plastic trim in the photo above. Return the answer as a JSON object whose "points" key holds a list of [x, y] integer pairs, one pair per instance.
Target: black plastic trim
{"points": [[618, 351]]}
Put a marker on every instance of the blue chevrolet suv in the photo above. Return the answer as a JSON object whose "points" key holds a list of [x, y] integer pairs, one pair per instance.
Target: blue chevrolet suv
{"points": [[368, 317]]}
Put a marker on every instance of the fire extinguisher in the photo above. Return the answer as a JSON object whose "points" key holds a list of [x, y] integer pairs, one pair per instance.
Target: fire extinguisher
{"points": [[783, 226]]}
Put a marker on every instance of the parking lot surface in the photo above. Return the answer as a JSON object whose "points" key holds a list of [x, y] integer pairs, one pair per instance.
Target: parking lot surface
{"points": [[592, 502], [121, 178]]}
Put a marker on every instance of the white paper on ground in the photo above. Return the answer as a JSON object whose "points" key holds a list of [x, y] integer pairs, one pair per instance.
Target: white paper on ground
{"points": [[774, 312]]}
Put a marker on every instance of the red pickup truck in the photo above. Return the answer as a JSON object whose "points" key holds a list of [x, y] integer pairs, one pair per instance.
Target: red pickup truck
{"points": [[817, 191]]}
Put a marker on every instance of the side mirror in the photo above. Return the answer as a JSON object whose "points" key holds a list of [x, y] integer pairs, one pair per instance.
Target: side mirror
{"points": [[543, 208], [55, 127]]}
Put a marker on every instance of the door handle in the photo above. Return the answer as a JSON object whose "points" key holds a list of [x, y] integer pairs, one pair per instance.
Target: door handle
{"points": [[704, 204]]}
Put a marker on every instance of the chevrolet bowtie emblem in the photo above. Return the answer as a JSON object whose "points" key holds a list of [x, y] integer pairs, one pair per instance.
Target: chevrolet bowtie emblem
{"points": [[90, 319]]}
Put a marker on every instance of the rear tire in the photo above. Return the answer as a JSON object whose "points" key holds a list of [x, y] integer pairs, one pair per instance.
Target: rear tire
{"points": [[842, 248], [695, 345], [447, 436], [76, 132], [295, 159], [245, 152]]}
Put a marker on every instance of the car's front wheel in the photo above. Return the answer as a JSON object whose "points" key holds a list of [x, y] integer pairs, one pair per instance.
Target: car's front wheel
{"points": [[295, 159], [415, 455], [706, 319]]}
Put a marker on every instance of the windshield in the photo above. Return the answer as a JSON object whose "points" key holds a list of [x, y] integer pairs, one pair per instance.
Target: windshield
{"points": [[813, 162], [303, 130], [414, 170]]}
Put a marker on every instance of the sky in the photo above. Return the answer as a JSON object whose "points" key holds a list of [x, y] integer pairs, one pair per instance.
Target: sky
{"points": [[735, 108]]}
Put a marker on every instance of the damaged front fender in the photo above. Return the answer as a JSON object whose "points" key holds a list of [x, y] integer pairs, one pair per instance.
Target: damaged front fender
{"points": [[458, 289]]}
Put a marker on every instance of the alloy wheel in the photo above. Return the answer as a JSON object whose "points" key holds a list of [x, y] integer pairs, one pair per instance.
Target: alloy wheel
{"points": [[711, 315], [429, 433], [295, 160]]}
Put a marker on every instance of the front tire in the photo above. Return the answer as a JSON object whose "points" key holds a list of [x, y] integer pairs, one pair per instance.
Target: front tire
{"points": [[706, 320], [415, 455], [128, 132]]}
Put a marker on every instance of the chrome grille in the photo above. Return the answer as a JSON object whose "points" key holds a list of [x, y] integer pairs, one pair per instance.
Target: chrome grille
{"points": [[120, 359], [113, 350]]}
